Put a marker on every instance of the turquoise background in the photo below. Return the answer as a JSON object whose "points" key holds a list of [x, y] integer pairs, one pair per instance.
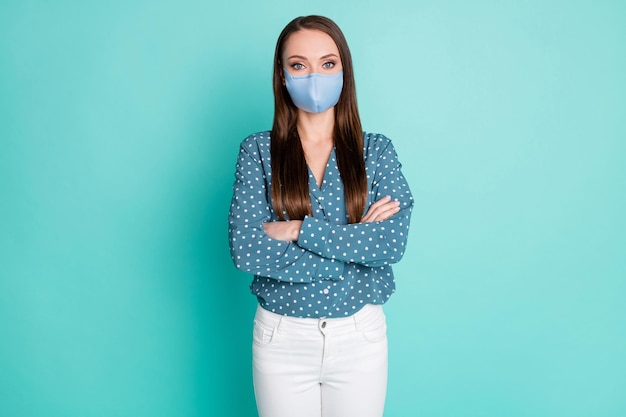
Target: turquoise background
{"points": [[119, 128]]}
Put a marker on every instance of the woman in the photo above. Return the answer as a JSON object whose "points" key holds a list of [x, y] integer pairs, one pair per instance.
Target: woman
{"points": [[320, 210]]}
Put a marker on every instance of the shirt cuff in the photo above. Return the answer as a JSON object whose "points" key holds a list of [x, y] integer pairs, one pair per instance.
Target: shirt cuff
{"points": [[314, 237]]}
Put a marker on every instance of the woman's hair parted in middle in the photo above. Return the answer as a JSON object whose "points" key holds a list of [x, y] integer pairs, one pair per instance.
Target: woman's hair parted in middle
{"points": [[290, 190]]}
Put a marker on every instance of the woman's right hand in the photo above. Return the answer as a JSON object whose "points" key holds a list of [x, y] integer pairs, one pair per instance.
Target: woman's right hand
{"points": [[381, 210]]}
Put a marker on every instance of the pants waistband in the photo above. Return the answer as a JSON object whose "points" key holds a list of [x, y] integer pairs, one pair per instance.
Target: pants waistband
{"points": [[281, 321]]}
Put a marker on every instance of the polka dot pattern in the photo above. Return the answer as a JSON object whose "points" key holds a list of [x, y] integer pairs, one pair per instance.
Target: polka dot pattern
{"points": [[334, 268]]}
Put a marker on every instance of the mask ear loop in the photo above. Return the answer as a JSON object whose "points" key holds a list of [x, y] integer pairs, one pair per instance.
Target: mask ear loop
{"points": [[282, 74]]}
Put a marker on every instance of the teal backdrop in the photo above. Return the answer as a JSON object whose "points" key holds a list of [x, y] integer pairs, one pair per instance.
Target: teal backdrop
{"points": [[119, 128]]}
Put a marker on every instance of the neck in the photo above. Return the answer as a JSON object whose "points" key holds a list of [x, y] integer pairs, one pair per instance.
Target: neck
{"points": [[316, 127]]}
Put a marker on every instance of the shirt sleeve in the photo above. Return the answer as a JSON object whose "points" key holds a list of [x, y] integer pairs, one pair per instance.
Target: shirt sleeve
{"points": [[252, 250], [371, 244]]}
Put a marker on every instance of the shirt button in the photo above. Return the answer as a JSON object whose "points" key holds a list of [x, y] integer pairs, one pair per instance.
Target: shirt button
{"points": [[326, 291]]}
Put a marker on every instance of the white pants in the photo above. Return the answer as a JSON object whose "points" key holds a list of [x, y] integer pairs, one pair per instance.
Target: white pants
{"points": [[306, 367]]}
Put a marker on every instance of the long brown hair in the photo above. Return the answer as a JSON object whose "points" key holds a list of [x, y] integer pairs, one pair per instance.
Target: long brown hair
{"points": [[290, 179]]}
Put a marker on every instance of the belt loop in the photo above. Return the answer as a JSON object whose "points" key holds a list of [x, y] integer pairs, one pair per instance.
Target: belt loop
{"points": [[356, 322], [279, 326]]}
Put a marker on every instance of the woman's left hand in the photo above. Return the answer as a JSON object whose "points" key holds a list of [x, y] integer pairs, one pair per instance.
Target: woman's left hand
{"points": [[283, 230]]}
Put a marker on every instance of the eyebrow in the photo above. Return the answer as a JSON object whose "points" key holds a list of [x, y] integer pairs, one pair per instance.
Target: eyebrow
{"points": [[306, 59]]}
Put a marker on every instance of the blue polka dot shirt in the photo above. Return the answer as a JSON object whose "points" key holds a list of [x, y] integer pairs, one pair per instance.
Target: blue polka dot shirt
{"points": [[334, 268]]}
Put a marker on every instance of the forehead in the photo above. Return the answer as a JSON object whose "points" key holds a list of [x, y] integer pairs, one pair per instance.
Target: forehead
{"points": [[310, 44]]}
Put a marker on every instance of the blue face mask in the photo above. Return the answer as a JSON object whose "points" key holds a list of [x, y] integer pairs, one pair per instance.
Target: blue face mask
{"points": [[314, 93]]}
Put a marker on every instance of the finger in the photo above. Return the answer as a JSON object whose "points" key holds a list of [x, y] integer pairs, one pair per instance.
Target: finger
{"points": [[374, 211], [386, 199], [384, 207], [370, 212], [381, 212], [386, 214]]}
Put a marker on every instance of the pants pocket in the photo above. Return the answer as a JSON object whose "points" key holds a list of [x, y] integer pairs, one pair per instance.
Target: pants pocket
{"points": [[374, 329], [263, 334]]}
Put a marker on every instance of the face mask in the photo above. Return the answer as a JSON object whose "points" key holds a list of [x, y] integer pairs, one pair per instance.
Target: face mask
{"points": [[314, 93]]}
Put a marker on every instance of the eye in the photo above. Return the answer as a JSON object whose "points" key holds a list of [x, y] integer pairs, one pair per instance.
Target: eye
{"points": [[297, 66], [328, 64]]}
